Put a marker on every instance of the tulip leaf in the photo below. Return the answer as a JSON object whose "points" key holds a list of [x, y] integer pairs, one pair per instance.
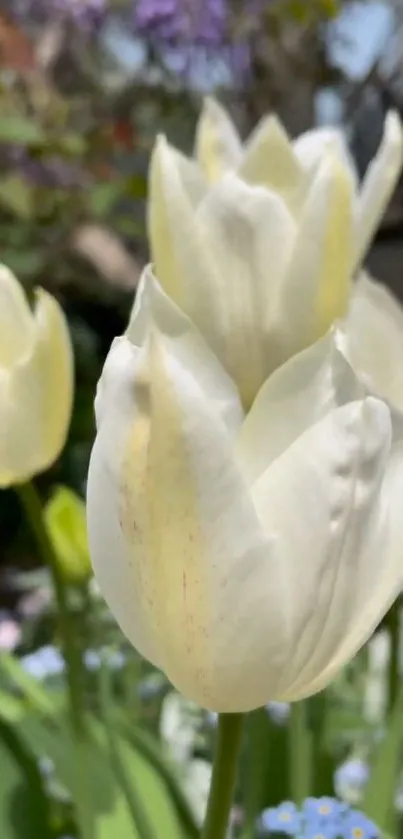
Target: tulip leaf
{"points": [[143, 742], [12, 709], [380, 792], [23, 803], [153, 811], [41, 699]]}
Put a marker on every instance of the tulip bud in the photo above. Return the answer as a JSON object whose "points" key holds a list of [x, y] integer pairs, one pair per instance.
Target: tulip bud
{"points": [[36, 381], [66, 524]]}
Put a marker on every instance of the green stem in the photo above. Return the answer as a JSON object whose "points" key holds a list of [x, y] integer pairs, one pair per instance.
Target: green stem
{"points": [[393, 622], [300, 753], [228, 744], [33, 510]]}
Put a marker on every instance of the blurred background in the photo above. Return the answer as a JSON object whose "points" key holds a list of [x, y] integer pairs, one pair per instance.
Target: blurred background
{"points": [[85, 87]]}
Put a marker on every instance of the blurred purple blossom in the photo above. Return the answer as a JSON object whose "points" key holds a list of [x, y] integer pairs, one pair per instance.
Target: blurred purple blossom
{"points": [[86, 14], [52, 171], [180, 22]]}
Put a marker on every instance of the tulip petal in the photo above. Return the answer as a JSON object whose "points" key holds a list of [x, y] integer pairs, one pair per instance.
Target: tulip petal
{"points": [[36, 397], [319, 503], [181, 252], [269, 161], [250, 235], [152, 303], [191, 178], [218, 146], [311, 147], [374, 329], [378, 186], [378, 579], [183, 564], [317, 286], [16, 323], [297, 395]]}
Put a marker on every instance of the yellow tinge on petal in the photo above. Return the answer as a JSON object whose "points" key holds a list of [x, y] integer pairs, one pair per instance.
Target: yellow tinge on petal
{"points": [[168, 525], [269, 161], [337, 246], [218, 147], [316, 289]]}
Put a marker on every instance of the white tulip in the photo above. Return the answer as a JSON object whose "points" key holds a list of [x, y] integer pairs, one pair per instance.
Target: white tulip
{"points": [[247, 553], [260, 284], [259, 244], [284, 225], [270, 159], [36, 381]]}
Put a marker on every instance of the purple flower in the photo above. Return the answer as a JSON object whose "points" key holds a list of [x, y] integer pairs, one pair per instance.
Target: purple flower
{"points": [[179, 22], [87, 14]]}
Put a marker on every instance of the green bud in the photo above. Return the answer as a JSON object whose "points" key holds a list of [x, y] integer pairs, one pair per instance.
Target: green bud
{"points": [[66, 524]]}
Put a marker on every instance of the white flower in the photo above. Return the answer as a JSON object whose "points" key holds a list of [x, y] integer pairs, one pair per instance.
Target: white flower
{"points": [[270, 159], [36, 381], [258, 245], [248, 553]]}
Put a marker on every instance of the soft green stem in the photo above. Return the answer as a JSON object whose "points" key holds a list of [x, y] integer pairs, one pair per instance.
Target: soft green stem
{"points": [[229, 736], [33, 510], [393, 621], [300, 753]]}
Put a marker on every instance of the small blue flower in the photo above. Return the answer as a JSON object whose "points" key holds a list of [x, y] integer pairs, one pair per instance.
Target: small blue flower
{"points": [[323, 808], [320, 829], [358, 826], [350, 779], [44, 662], [283, 819]]}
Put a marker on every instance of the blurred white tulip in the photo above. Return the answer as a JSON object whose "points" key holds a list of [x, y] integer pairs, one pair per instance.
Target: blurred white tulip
{"points": [[247, 544], [36, 381]]}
